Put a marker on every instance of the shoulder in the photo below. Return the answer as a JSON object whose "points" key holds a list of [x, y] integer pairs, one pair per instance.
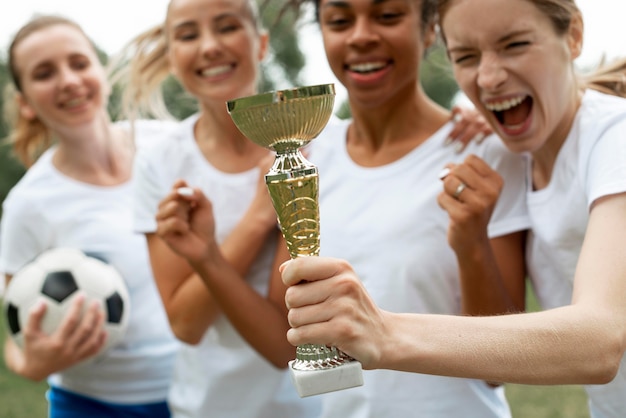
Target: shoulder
{"points": [[493, 151], [599, 111], [148, 132], [334, 131], [164, 140], [601, 118], [38, 180]]}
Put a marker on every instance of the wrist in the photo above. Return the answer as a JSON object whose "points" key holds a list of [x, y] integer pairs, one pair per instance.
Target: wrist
{"points": [[212, 260], [20, 367]]}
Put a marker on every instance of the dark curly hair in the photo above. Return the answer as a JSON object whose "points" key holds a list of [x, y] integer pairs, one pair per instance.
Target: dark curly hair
{"points": [[428, 9]]}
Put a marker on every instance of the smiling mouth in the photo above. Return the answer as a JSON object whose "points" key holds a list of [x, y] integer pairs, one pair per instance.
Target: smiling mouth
{"points": [[367, 67], [216, 71], [513, 112], [72, 103]]}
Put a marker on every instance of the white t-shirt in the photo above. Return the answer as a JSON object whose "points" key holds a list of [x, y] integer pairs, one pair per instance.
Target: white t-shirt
{"points": [[590, 164], [47, 209], [387, 223], [223, 375]]}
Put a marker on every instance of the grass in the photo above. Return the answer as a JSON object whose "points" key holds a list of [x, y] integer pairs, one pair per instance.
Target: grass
{"points": [[20, 398]]}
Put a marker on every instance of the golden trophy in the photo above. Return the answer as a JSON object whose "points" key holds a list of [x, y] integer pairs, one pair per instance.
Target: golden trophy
{"points": [[285, 121]]}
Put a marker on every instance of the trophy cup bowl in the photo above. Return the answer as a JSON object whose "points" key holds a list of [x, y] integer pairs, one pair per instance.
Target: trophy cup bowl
{"points": [[285, 121]]}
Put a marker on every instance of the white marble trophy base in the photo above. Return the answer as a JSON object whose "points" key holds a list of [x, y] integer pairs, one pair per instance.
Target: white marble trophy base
{"points": [[316, 382]]}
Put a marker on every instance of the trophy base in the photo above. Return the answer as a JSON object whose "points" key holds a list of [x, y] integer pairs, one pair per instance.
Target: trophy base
{"points": [[316, 382]]}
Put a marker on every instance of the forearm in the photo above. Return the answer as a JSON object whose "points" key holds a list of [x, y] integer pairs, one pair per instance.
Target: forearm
{"points": [[191, 310], [492, 275], [189, 305], [244, 243], [551, 347], [246, 308]]}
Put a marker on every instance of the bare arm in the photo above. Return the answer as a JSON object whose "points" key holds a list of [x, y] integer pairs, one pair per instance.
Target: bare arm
{"points": [[492, 271], [261, 321], [243, 244], [548, 347], [190, 307], [186, 226]]}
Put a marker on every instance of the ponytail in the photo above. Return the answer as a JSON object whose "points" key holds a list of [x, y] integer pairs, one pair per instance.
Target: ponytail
{"points": [[609, 79], [140, 69], [29, 137]]}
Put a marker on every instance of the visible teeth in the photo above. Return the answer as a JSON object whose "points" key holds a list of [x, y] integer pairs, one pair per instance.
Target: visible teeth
{"points": [[212, 72], [504, 105], [367, 67], [75, 102]]}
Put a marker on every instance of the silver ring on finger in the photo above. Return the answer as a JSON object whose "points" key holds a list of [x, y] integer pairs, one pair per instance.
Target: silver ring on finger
{"points": [[459, 190]]}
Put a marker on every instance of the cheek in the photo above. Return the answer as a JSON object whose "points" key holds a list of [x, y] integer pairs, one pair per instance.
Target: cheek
{"points": [[178, 58], [334, 56], [463, 79]]}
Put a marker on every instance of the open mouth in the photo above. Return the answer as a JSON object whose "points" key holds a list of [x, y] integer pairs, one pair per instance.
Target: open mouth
{"points": [[511, 113]]}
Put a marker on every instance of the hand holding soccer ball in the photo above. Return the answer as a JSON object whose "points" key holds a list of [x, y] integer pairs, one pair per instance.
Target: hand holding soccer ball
{"points": [[63, 308]]}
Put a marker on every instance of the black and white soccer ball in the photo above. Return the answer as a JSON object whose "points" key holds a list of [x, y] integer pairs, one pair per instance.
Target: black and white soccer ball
{"points": [[56, 277]]}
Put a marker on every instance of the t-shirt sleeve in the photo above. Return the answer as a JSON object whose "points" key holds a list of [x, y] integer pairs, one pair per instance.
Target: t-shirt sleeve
{"points": [[148, 190], [606, 163], [24, 233], [510, 214]]}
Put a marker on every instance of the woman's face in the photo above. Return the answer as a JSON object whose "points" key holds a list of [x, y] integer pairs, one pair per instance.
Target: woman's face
{"points": [[374, 47], [509, 60], [214, 48], [63, 83]]}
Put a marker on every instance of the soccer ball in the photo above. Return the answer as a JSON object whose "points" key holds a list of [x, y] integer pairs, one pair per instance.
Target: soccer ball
{"points": [[56, 276]]}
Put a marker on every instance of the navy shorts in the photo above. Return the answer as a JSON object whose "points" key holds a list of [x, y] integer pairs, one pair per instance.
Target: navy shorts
{"points": [[64, 404]]}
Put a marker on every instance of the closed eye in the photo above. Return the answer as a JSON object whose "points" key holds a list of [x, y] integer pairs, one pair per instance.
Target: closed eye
{"points": [[463, 58], [518, 44], [390, 17]]}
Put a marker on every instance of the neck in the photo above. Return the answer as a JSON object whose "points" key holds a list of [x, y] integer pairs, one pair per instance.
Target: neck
{"points": [[94, 153], [545, 157], [381, 134], [222, 144]]}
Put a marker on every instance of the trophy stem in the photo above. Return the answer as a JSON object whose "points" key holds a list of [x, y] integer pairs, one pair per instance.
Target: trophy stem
{"points": [[293, 186]]}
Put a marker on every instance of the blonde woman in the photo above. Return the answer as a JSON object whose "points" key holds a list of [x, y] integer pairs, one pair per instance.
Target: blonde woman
{"points": [[77, 193], [212, 246]]}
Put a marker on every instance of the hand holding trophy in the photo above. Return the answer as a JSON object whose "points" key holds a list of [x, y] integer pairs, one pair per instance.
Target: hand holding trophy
{"points": [[285, 121]]}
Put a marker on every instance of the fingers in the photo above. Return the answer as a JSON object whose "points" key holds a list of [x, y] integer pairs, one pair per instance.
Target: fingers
{"points": [[81, 331], [174, 211], [90, 335], [35, 316], [474, 175], [310, 269], [469, 126]]}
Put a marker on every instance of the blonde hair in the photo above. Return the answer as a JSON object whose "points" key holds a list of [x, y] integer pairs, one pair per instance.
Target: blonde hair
{"points": [[30, 137], [142, 67], [608, 78]]}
